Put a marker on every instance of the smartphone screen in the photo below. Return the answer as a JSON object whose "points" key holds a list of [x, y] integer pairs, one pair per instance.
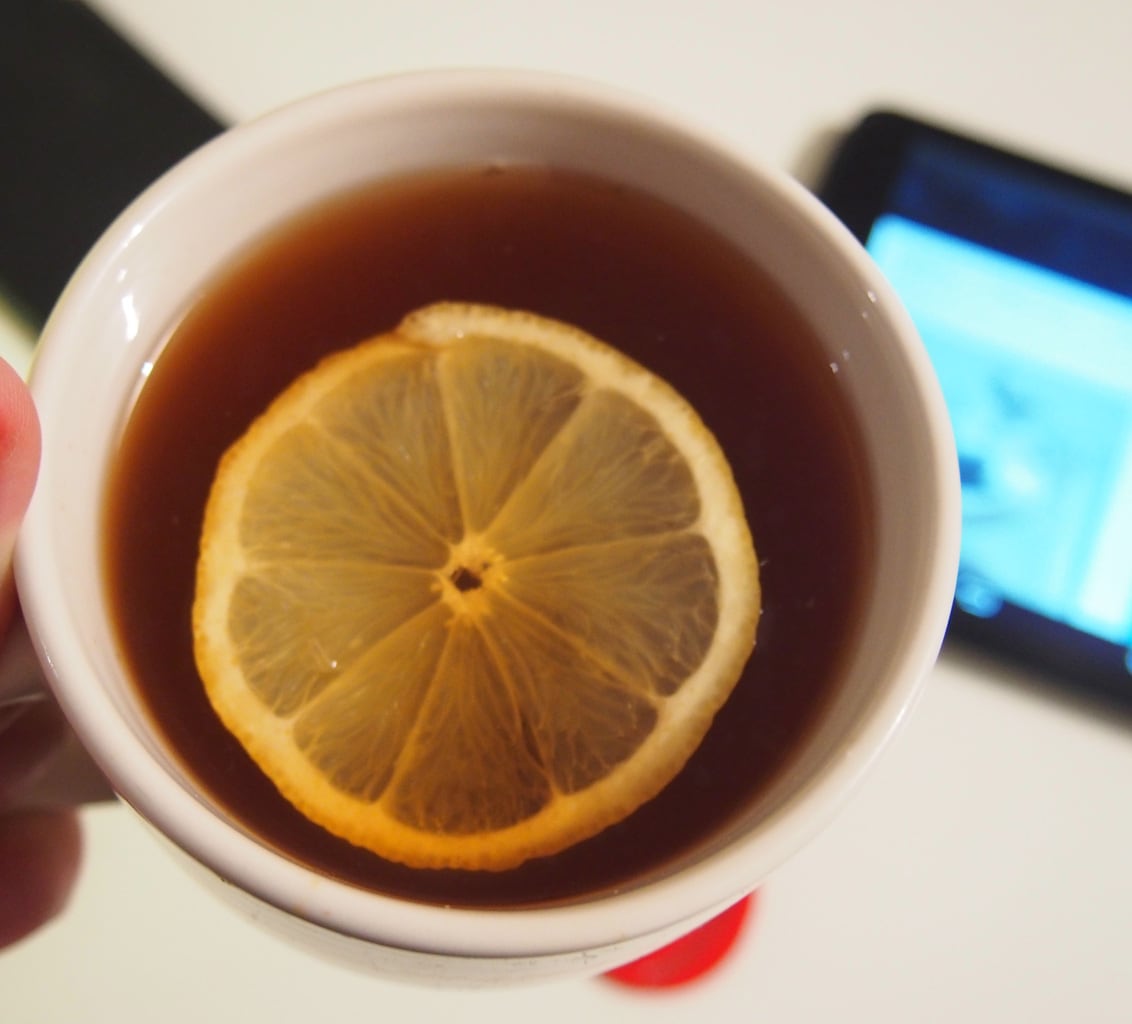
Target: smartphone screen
{"points": [[1019, 279]]}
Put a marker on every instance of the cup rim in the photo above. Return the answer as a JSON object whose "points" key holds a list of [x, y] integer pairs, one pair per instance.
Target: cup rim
{"points": [[665, 903]]}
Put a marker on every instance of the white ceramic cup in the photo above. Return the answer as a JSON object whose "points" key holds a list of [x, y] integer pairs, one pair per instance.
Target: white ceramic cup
{"points": [[138, 279]]}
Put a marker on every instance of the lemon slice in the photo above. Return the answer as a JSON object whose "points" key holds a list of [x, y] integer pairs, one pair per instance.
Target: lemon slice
{"points": [[473, 590]]}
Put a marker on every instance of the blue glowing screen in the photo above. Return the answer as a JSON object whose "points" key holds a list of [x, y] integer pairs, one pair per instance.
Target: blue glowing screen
{"points": [[1036, 368]]}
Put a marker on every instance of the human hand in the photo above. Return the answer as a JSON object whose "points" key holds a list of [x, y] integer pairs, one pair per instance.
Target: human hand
{"points": [[40, 848]]}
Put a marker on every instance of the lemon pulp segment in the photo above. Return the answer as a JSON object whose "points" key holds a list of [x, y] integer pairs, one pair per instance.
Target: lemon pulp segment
{"points": [[473, 590]]}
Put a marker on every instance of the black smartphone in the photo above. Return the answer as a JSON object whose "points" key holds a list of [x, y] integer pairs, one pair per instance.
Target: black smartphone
{"points": [[89, 121], [1018, 276]]}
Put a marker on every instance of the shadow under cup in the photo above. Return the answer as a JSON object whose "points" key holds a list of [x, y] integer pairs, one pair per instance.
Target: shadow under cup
{"points": [[134, 286]]}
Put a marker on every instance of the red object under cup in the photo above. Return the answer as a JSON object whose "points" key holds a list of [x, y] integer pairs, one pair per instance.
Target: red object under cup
{"points": [[689, 957]]}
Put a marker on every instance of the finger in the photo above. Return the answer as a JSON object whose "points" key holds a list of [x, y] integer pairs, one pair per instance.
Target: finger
{"points": [[19, 464], [39, 862], [29, 734]]}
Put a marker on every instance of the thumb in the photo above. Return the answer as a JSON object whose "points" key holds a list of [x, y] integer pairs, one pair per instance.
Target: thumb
{"points": [[19, 464]]}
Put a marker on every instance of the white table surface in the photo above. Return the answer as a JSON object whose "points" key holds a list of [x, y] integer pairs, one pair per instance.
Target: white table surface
{"points": [[985, 871]]}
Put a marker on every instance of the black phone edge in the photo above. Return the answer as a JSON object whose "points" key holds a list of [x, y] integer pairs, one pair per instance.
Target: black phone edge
{"points": [[873, 149]]}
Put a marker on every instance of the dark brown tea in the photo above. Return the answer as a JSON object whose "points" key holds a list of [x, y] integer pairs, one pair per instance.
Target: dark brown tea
{"points": [[628, 269]]}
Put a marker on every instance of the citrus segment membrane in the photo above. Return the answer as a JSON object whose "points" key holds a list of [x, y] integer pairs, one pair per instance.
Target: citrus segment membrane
{"points": [[473, 590]]}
